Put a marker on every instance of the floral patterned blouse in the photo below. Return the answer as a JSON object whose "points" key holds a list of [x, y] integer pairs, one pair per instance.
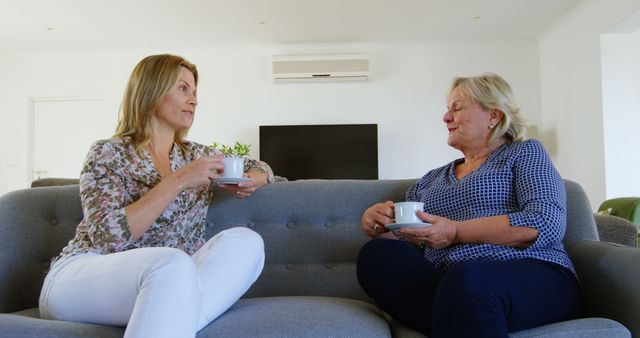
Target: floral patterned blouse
{"points": [[115, 175]]}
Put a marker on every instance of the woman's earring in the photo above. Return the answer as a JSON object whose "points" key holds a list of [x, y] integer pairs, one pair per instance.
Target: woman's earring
{"points": [[491, 126]]}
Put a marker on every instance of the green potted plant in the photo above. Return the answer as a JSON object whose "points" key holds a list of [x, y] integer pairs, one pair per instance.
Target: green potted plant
{"points": [[233, 159], [237, 150]]}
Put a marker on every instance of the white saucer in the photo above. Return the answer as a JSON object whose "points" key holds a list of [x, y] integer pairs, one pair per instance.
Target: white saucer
{"points": [[232, 180], [398, 226]]}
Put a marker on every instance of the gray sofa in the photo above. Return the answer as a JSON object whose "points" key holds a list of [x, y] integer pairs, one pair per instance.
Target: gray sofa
{"points": [[308, 286]]}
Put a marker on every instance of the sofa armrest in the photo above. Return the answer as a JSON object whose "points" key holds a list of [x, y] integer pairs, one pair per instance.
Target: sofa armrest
{"points": [[610, 278], [53, 181], [35, 224], [616, 230]]}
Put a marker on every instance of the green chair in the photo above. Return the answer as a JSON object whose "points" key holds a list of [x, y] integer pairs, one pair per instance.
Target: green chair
{"points": [[625, 207]]}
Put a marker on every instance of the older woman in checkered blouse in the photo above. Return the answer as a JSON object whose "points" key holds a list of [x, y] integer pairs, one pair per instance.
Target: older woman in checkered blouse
{"points": [[492, 262]]}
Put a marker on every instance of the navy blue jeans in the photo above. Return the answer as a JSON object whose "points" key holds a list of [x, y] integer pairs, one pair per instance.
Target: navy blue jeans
{"points": [[472, 299]]}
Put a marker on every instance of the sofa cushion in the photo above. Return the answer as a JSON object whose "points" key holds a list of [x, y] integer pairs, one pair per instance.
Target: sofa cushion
{"points": [[296, 316], [311, 231], [579, 328], [27, 324], [299, 316]]}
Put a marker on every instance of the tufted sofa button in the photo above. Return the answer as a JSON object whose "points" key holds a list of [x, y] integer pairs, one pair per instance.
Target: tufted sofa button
{"points": [[289, 266], [209, 224], [290, 225], [328, 265], [251, 225], [53, 221], [328, 224]]}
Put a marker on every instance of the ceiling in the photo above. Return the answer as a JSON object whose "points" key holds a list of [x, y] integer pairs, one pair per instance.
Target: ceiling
{"points": [[115, 24]]}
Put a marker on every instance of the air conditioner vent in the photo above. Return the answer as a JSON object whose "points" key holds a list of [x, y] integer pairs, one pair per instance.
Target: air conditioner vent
{"points": [[320, 67]]}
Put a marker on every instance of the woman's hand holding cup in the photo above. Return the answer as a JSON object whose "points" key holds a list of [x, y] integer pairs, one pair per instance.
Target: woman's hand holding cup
{"points": [[440, 234], [199, 172], [245, 189], [376, 217]]}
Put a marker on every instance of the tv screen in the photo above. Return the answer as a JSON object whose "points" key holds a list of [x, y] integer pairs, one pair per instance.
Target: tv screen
{"points": [[337, 151]]}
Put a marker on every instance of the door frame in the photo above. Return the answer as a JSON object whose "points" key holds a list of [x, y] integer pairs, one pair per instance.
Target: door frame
{"points": [[32, 101]]}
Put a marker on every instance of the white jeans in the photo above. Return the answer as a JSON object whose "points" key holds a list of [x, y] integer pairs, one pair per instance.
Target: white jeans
{"points": [[155, 292]]}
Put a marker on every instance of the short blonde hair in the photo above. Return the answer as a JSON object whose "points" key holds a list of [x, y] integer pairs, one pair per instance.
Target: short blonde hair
{"points": [[150, 81], [492, 92]]}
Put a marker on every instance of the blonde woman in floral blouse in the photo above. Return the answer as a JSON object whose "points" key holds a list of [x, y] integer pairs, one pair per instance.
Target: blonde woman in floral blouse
{"points": [[139, 257]]}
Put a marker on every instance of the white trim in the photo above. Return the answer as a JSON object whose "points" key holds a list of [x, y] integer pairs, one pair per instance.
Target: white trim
{"points": [[30, 174]]}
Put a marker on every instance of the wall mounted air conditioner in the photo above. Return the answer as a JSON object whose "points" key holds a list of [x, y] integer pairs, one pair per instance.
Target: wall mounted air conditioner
{"points": [[319, 67]]}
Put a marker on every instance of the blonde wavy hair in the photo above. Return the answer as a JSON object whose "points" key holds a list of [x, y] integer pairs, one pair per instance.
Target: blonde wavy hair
{"points": [[150, 81], [492, 92]]}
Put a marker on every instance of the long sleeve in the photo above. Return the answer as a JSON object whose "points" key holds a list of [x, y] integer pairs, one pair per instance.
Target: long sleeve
{"points": [[540, 195], [251, 164], [103, 195]]}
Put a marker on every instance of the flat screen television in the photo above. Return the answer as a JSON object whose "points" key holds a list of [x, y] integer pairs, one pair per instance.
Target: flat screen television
{"points": [[334, 151]]}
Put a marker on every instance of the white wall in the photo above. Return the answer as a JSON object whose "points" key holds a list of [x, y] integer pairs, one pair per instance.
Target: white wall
{"points": [[621, 110], [405, 95], [571, 93]]}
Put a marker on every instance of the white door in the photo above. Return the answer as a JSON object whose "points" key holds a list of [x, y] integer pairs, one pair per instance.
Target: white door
{"points": [[63, 131]]}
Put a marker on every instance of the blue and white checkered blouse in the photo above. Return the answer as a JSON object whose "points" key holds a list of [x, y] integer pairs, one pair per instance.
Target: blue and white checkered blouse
{"points": [[518, 180]]}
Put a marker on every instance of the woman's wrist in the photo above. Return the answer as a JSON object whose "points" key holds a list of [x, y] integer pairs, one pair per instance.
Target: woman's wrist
{"points": [[457, 235], [175, 181]]}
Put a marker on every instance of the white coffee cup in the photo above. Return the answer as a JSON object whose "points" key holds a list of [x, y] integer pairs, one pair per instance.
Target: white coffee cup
{"points": [[233, 167], [406, 212]]}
